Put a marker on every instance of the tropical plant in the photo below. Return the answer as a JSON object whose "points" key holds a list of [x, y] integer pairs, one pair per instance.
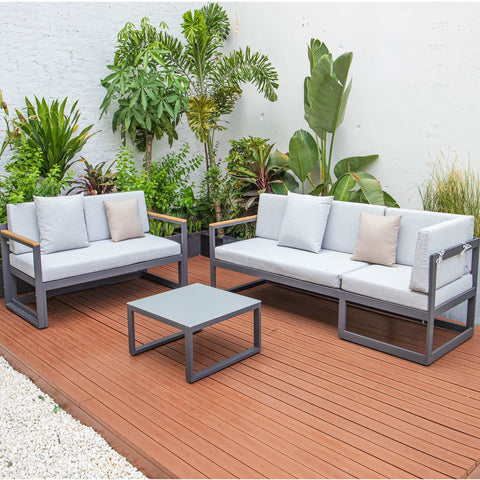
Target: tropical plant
{"points": [[167, 187], [215, 78], [24, 179], [50, 128], [452, 189], [326, 93], [150, 97], [259, 171], [97, 179]]}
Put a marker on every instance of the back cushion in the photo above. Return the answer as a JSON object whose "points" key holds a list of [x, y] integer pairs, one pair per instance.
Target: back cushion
{"points": [[412, 222], [271, 210], [96, 218], [22, 219], [343, 222]]}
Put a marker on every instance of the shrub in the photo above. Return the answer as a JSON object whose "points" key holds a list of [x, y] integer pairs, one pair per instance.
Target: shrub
{"points": [[452, 189], [25, 179]]}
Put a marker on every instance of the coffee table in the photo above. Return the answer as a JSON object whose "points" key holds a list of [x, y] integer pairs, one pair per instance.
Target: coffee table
{"points": [[190, 309]]}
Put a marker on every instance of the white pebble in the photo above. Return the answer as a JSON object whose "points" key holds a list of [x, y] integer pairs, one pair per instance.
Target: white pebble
{"points": [[38, 440]]}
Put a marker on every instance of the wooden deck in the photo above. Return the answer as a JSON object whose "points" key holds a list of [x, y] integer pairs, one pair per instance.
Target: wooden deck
{"points": [[309, 405]]}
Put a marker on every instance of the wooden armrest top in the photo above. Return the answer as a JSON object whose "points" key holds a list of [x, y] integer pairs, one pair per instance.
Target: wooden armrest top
{"points": [[233, 221], [21, 238], [166, 217]]}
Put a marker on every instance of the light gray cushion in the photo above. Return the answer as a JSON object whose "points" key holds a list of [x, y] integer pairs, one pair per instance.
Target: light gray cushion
{"points": [[412, 222], [324, 268], [96, 218], [434, 239], [342, 225], [123, 219], [99, 256], [61, 222], [271, 210], [304, 222], [377, 239], [22, 219], [391, 285]]}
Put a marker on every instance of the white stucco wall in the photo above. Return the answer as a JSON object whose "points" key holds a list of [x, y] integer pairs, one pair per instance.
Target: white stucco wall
{"points": [[415, 73]]}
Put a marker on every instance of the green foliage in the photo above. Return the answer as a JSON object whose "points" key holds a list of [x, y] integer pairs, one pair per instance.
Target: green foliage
{"points": [[24, 179], [51, 129], [167, 188], [257, 170], [326, 93], [150, 96], [97, 179], [452, 189], [215, 78]]}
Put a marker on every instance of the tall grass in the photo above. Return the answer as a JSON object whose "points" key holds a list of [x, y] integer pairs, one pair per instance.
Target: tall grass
{"points": [[453, 189]]}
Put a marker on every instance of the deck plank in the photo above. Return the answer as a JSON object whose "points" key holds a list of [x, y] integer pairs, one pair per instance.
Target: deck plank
{"points": [[308, 406]]}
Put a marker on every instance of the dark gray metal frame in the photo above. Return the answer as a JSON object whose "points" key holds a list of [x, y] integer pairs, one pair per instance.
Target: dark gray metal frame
{"points": [[188, 333], [427, 317], [39, 318]]}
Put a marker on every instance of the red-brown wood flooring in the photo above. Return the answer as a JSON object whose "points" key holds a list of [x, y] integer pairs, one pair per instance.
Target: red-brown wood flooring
{"points": [[308, 406]]}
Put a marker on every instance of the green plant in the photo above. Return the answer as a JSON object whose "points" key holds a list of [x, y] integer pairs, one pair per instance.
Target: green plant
{"points": [[452, 189], [167, 187], [24, 179], [96, 180], [258, 170], [150, 96], [51, 129], [215, 78], [326, 93]]}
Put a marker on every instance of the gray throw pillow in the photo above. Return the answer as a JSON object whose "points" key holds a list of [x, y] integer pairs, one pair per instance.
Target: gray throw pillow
{"points": [[123, 219], [377, 239], [61, 223], [304, 222]]}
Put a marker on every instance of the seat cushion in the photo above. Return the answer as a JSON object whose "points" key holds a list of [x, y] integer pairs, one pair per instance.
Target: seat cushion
{"points": [[96, 218], [99, 256], [342, 226], [391, 285], [324, 268]]}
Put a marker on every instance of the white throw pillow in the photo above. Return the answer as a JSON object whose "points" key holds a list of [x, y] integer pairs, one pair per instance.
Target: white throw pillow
{"points": [[61, 223], [123, 219], [304, 222]]}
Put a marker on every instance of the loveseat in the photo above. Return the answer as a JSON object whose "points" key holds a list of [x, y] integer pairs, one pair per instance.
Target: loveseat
{"points": [[57, 244], [411, 263]]}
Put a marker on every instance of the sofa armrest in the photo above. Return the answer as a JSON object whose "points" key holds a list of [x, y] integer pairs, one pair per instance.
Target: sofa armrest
{"points": [[19, 238], [234, 221], [448, 236], [166, 218]]}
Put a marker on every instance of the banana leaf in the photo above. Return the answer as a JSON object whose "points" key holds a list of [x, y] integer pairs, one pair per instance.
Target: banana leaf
{"points": [[303, 153], [352, 164]]}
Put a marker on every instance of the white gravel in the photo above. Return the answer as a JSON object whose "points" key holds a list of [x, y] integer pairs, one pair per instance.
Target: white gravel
{"points": [[40, 440]]}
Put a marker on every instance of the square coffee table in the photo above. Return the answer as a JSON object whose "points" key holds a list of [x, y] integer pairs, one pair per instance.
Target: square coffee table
{"points": [[190, 309]]}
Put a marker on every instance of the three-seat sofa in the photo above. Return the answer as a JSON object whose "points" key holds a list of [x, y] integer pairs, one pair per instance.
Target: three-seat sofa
{"points": [[434, 267]]}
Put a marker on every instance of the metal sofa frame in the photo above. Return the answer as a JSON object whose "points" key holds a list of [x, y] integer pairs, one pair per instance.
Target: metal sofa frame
{"points": [[42, 290], [427, 317]]}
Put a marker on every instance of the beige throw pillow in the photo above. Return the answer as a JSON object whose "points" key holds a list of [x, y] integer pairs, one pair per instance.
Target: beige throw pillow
{"points": [[377, 239], [123, 219]]}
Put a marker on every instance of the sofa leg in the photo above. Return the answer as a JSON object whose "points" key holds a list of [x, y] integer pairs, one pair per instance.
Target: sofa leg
{"points": [[183, 273], [213, 274], [342, 316], [41, 301]]}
